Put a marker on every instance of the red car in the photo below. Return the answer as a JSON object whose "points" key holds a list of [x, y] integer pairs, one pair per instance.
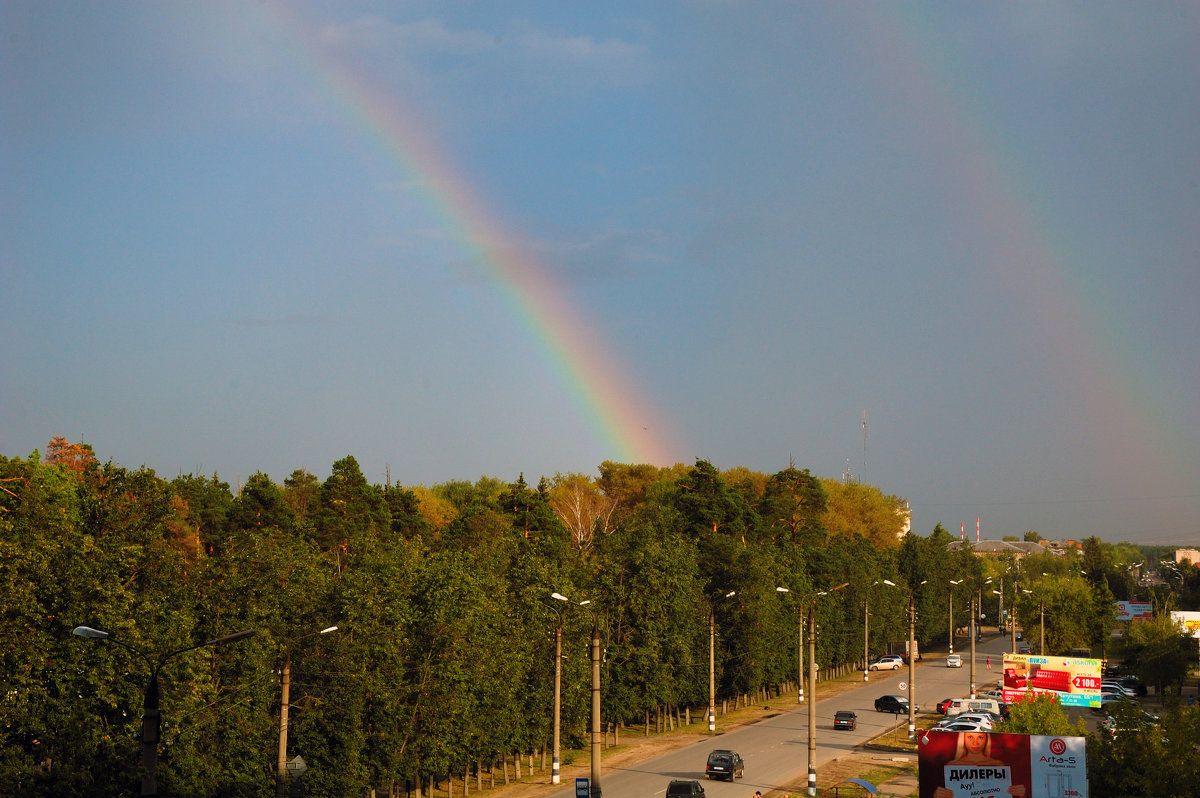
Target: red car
{"points": [[943, 705]]}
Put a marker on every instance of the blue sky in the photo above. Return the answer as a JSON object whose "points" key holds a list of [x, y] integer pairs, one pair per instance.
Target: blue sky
{"points": [[975, 223]]}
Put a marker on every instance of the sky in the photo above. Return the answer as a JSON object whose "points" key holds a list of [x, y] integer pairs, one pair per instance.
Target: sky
{"points": [[949, 250]]}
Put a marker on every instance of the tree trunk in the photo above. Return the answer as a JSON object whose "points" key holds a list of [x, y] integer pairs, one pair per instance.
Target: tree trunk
{"points": [[504, 766], [646, 725]]}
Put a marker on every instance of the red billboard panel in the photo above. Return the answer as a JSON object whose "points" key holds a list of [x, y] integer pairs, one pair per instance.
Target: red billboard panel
{"points": [[987, 765], [1073, 681]]}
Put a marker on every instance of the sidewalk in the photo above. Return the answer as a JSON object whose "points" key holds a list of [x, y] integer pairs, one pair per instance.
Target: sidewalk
{"points": [[899, 787]]}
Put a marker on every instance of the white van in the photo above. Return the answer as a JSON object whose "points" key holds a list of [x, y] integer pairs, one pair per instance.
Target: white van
{"points": [[960, 705]]}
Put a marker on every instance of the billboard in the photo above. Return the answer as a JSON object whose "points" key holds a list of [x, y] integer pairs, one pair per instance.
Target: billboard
{"points": [[1074, 681], [1188, 621], [1134, 611], [983, 765]]}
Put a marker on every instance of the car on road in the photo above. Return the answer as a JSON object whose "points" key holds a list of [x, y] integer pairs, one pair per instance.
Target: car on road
{"points": [[897, 704], [1020, 636], [845, 719], [725, 764], [943, 705], [1025, 649], [888, 662], [685, 788], [954, 661]]}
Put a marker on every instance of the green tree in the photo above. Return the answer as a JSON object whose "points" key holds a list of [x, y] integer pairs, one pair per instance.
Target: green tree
{"points": [[1042, 714], [792, 507], [1146, 758], [1159, 651]]}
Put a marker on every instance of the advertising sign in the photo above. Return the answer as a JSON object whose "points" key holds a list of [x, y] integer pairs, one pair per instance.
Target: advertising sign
{"points": [[1134, 611], [983, 765], [1188, 621], [1074, 681]]}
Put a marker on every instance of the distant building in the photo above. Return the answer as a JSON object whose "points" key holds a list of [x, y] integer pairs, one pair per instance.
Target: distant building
{"points": [[1061, 547], [1187, 555]]}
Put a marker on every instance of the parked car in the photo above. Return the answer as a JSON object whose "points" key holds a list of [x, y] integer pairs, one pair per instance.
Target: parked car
{"points": [[954, 661], [996, 694], [888, 662], [725, 764], [1130, 683], [1107, 700], [984, 719], [684, 788], [964, 726], [845, 719], [1118, 688], [893, 703]]}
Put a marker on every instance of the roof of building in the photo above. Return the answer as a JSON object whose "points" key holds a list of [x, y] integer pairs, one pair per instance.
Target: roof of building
{"points": [[1019, 548]]}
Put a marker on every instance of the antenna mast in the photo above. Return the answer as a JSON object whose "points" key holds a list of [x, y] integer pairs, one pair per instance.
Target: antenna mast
{"points": [[864, 468]]}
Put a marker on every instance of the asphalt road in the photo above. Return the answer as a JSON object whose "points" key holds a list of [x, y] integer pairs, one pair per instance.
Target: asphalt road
{"points": [[776, 748]]}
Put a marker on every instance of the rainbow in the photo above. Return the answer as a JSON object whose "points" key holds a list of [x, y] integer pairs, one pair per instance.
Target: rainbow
{"points": [[1030, 252], [619, 419]]}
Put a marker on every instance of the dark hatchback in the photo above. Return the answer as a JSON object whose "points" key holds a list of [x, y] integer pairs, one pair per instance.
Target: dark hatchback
{"points": [[725, 764], [845, 719], [683, 788]]}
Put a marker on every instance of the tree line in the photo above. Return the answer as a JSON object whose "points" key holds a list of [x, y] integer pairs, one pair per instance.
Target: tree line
{"points": [[443, 662]]}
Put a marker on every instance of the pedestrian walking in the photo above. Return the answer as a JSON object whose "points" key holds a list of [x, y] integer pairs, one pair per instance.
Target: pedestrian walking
{"points": [[989, 660]]}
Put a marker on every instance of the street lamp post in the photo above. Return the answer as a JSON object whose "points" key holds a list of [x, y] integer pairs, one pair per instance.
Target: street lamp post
{"points": [[712, 661], [912, 660], [950, 591], [866, 637], [973, 617], [150, 711], [800, 674], [555, 775], [595, 782], [284, 705], [812, 688]]}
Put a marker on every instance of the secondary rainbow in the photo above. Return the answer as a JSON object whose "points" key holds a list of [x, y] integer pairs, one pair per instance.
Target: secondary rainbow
{"points": [[621, 421]]}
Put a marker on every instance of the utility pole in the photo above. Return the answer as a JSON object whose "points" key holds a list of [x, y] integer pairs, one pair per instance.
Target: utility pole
{"points": [[595, 783], [812, 701], [973, 617]]}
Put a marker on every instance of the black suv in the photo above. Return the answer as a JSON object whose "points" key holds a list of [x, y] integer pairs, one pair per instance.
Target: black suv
{"points": [[725, 764], [680, 788], [893, 703]]}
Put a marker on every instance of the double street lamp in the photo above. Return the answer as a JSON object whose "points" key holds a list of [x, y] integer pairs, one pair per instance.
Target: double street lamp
{"points": [[712, 663], [953, 584], [150, 711], [867, 627], [284, 704], [812, 679], [912, 660], [596, 742], [554, 767]]}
